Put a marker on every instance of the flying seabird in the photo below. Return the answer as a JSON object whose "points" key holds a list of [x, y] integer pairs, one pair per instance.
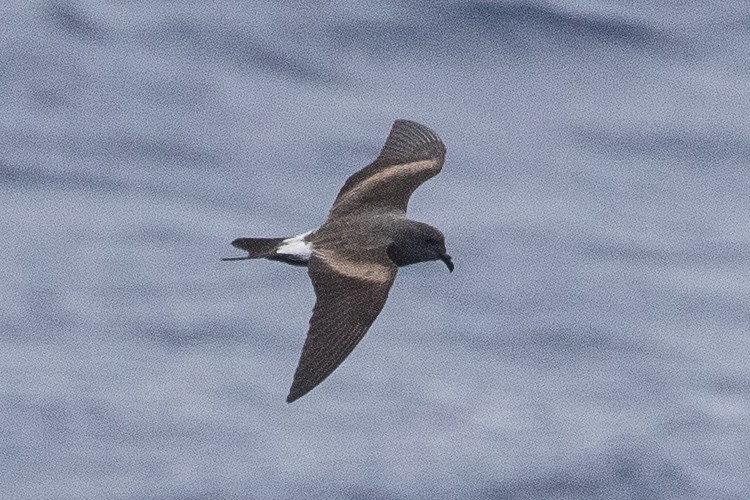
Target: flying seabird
{"points": [[353, 257]]}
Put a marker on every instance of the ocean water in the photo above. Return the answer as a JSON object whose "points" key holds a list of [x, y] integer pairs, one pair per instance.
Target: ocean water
{"points": [[593, 341]]}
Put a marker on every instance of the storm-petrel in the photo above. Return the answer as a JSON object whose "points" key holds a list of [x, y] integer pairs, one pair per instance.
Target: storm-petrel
{"points": [[353, 257]]}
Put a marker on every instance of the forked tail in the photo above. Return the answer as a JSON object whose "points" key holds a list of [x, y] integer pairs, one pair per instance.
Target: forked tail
{"points": [[256, 248]]}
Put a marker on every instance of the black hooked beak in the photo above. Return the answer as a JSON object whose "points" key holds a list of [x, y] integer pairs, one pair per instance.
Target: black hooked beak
{"points": [[448, 261]]}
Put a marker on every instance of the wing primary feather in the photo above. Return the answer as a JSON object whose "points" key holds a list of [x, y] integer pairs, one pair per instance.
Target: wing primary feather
{"points": [[410, 141]]}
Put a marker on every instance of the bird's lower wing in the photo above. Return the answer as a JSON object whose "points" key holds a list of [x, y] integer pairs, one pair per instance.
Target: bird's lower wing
{"points": [[350, 294]]}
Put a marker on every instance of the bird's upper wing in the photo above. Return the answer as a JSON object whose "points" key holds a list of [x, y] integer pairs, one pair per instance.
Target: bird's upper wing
{"points": [[351, 291], [412, 154]]}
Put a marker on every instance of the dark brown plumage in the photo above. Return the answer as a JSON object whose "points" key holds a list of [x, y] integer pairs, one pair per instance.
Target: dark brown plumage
{"points": [[353, 257]]}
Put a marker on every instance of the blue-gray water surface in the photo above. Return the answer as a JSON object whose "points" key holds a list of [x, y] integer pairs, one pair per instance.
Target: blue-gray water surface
{"points": [[593, 341]]}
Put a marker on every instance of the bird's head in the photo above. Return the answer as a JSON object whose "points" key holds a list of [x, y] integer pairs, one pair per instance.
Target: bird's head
{"points": [[435, 242], [416, 242]]}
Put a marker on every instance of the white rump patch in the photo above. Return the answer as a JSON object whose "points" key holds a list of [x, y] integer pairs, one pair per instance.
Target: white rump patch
{"points": [[296, 247]]}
